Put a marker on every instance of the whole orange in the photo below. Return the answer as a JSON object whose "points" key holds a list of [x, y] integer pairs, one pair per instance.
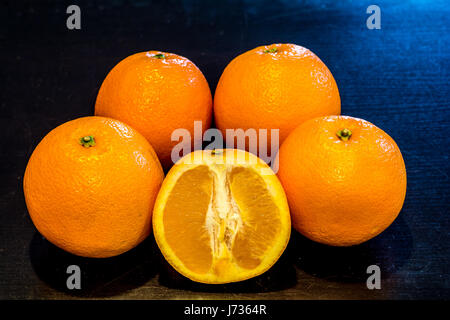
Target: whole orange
{"points": [[155, 93], [277, 86], [90, 186], [344, 178]]}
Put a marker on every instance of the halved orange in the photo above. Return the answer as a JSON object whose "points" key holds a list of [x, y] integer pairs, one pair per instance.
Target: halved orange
{"points": [[221, 216]]}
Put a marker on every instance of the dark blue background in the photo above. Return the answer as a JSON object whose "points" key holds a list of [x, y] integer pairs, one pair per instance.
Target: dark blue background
{"points": [[396, 77]]}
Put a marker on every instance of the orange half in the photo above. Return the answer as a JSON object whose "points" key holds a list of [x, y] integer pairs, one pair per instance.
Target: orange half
{"points": [[221, 216]]}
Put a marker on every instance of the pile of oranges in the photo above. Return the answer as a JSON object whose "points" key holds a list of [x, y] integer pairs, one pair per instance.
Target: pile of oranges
{"points": [[96, 186]]}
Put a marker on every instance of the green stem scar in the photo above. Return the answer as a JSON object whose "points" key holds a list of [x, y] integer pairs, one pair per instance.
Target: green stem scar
{"points": [[344, 134], [87, 141], [271, 50], [159, 56]]}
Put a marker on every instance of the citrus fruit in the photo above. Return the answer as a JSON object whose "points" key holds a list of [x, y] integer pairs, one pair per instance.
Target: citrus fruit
{"points": [[90, 186], [156, 92], [277, 86], [221, 216], [344, 178]]}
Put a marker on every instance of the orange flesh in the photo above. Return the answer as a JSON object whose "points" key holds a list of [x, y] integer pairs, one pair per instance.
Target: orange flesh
{"points": [[215, 222], [259, 214], [184, 219]]}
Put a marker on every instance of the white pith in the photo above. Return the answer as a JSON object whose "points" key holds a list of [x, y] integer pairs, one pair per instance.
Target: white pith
{"points": [[223, 218]]}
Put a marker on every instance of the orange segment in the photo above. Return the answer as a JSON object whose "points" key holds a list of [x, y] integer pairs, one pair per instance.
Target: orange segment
{"points": [[221, 216], [260, 215], [184, 218]]}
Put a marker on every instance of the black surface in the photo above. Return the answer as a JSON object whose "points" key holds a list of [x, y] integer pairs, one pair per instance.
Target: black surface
{"points": [[396, 77]]}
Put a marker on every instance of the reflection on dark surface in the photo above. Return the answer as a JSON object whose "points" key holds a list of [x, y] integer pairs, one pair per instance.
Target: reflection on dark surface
{"points": [[281, 276], [99, 277], [112, 276], [389, 250]]}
